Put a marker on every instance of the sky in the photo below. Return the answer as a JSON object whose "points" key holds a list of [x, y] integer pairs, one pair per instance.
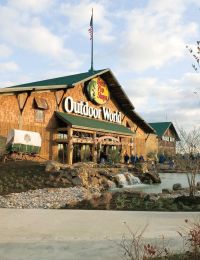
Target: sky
{"points": [[143, 42]]}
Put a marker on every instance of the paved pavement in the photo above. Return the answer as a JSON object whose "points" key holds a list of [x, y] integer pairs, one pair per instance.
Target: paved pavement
{"points": [[80, 234]]}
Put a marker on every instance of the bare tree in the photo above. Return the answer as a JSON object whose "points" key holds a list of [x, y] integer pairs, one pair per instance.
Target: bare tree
{"points": [[195, 53], [190, 141], [189, 155]]}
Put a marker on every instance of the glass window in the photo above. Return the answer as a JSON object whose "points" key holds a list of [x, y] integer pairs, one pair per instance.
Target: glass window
{"points": [[39, 116]]}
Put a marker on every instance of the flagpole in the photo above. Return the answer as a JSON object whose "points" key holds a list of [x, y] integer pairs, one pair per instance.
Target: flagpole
{"points": [[92, 42]]}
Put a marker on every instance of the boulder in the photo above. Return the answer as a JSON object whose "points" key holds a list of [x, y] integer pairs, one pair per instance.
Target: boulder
{"points": [[149, 178], [166, 191], [77, 181], [52, 166], [198, 184], [107, 184], [177, 186], [83, 175]]}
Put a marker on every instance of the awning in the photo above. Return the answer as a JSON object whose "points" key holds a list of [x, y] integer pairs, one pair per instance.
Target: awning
{"points": [[88, 123]]}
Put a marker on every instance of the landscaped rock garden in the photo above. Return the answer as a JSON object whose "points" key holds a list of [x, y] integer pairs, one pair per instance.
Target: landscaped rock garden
{"points": [[133, 200], [86, 185]]}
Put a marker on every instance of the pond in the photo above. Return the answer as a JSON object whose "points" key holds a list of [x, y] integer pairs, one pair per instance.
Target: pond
{"points": [[167, 181]]}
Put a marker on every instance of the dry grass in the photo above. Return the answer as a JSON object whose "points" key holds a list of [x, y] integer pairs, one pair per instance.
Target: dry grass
{"points": [[133, 247]]}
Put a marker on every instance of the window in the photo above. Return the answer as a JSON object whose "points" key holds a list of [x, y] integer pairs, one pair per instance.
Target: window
{"points": [[39, 115], [41, 103]]}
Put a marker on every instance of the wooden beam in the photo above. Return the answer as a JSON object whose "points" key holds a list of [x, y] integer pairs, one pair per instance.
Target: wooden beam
{"points": [[22, 99], [59, 96], [147, 137], [70, 146]]}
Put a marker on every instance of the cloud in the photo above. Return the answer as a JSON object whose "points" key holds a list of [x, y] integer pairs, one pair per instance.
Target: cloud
{"points": [[79, 18], [36, 6], [8, 67], [27, 32], [170, 100], [5, 51], [155, 35]]}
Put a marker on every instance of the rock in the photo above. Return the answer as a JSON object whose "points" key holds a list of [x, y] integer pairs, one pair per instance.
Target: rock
{"points": [[166, 191], [177, 186], [144, 168], [149, 178], [77, 181], [45, 198], [198, 185], [107, 184], [105, 172], [52, 166]]}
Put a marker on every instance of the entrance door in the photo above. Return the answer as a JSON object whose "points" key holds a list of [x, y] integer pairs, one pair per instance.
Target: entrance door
{"points": [[62, 153], [82, 153], [110, 153]]}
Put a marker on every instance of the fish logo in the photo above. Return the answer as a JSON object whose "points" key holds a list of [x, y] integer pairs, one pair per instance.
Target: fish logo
{"points": [[98, 91]]}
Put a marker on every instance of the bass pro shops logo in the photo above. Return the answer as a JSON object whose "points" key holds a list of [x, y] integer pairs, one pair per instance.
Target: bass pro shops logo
{"points": [[98, 91]]}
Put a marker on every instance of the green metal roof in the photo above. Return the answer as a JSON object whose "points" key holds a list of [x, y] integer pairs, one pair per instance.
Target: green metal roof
{"points": [[66, 80], [161, 128], [88, 123]]}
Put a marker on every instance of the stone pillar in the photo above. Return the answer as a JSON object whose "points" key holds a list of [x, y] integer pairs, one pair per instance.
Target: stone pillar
{"points": [[70, 146], [94, 149]]}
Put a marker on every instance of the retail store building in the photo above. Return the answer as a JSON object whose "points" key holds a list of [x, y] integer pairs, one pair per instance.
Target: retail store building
{"points": [[79, 117], [164, 142]]}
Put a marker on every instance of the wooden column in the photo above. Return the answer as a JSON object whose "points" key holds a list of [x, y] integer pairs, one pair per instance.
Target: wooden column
{"points": [[94, 149], [70, 146], [53, 146], [122, 152], [132, 145]]}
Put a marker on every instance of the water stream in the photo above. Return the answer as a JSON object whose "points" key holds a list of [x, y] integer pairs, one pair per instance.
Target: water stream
{"points": [[127, 179], [167, 181]]}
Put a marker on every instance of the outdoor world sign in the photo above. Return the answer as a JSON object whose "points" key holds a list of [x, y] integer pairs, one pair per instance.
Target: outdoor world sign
{"points": [[82, 108]]}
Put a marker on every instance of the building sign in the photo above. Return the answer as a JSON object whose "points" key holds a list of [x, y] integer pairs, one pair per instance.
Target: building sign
{"points": [[168, 138], [82, 108], [98, 91]]}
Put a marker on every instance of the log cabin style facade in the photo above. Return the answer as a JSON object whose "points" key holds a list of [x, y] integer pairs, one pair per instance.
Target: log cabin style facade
{"points": [[167, 137], [79, 117]]}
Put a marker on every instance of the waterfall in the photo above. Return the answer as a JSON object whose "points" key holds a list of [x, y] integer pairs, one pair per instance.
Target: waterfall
{"points": [[127, 179], [131, 179]]}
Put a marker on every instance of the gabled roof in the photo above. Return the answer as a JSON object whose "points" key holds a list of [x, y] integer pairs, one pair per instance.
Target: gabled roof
{"points": [[66, 80], [162, 127], [71, 81]]}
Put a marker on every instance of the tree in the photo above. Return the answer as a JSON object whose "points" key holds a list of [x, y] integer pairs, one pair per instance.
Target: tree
{"points": [[189, 155], [195, 55]]}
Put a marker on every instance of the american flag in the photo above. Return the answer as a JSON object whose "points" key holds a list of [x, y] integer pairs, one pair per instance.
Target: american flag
{"points": [[91, 27]]}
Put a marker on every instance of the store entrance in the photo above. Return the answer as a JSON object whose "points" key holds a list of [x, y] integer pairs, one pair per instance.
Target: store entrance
{"points": [[82, 153], [62, 153], [109, 153]]}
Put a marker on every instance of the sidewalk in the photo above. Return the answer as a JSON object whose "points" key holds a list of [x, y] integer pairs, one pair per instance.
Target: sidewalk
{"points": [[80, 234]]}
